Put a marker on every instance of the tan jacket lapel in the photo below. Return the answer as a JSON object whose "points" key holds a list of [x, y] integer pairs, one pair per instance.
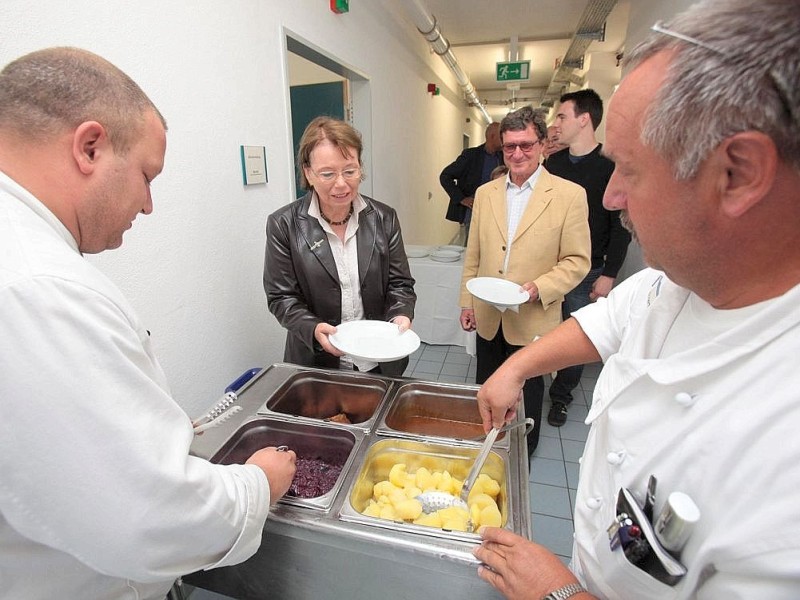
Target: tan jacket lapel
{"points": [[497, 202], [541, 196]]}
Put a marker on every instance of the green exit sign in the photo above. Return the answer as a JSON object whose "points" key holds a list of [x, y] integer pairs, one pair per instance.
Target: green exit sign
{"points": [[514, 71]]}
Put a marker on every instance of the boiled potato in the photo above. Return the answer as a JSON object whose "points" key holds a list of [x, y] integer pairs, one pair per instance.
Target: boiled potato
{"points": [[383, 488], [475, 516], [455, 524], [387, 512], [445, 483], [481, 500], [431, 520], [408, 510], [423, 479], [398, 475], [412, 491], [395, 498], [490, 517], [490, 486], [373, 509]]}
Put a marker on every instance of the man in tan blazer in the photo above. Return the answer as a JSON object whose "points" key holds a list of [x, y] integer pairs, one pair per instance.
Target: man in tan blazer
{"points": [[530, 228]]}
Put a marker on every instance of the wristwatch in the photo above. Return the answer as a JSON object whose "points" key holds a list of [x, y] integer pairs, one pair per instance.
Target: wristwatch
{"points": [[562, 593]]}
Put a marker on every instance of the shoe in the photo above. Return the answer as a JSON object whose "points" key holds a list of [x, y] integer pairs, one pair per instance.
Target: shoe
{"points": [[558, 414]]}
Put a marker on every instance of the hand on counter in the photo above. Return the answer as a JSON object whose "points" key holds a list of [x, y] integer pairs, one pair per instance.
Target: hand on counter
{"points": [[279, 467], [520, 569]]}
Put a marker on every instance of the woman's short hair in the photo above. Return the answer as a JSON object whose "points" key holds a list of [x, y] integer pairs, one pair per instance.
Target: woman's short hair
{"points": [[341, 134]]}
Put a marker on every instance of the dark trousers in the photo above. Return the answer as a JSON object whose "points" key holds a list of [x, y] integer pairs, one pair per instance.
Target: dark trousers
{"points": [[491, 354], [568, 379]]}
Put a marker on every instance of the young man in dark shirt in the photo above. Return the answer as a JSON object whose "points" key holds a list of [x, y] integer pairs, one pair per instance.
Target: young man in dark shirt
{"points": [[582, 162]]}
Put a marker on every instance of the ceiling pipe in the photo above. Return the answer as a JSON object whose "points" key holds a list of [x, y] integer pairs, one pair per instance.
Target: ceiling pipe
{"points": [[426, 24], [591, 27]]}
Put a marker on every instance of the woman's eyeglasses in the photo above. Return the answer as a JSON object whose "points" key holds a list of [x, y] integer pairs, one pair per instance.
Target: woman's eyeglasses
{"points": [[524, 146], [331, 176]]}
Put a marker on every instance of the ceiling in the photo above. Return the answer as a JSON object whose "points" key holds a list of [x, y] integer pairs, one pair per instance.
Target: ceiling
{"points": [[480, 33]]}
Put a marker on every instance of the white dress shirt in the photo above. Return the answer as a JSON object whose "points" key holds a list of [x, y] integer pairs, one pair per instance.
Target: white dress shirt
{"points": [[345, 255], [516, 202]]}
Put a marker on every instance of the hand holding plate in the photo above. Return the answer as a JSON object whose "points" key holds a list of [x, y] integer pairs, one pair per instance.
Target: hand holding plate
{"points": [[321, 333]]}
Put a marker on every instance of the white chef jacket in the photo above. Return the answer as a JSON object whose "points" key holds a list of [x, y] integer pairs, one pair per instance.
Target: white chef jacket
{"points": [[99, 498], [719, 422]]}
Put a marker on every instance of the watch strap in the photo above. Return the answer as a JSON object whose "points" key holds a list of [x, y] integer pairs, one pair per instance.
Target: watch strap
{"points": [[565, 592]]}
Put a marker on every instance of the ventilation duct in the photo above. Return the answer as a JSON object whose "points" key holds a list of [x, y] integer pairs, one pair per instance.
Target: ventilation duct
{"points": [[429, 28], [591, 27]]}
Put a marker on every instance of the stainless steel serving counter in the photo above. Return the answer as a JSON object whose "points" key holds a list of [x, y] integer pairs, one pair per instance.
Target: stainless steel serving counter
{"points": [[324, 547]]}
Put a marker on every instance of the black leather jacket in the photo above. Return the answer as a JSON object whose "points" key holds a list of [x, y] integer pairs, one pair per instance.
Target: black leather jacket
{"points": [[302, 283]]}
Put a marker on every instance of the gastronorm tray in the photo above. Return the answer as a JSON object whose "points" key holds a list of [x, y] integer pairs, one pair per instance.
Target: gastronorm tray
{"points": [[322, 395], [380, 455], [319, 446], [436, 411]]}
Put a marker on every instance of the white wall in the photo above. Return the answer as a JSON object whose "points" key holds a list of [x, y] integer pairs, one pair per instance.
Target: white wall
{"points": [[217, 71]]}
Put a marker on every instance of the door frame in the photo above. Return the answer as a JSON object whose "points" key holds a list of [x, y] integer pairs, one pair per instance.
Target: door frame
{"points": [[358, 103]]}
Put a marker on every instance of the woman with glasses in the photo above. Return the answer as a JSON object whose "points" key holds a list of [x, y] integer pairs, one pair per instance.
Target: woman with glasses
{"points": [[335, 255]]}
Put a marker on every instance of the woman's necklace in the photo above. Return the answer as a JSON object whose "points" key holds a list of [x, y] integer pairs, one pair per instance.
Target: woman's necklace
{"points": [[335, 223]]}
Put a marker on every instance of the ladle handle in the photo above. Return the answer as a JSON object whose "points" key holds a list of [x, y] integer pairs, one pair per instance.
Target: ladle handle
{"points": [[478, 464], [528, 423]]}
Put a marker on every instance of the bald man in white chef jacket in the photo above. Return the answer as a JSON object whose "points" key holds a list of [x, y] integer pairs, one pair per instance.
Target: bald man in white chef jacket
{"points": [[99, 497]]}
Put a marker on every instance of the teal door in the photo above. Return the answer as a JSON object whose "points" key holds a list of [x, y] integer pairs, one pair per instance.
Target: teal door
{"points": [[309, 101]]}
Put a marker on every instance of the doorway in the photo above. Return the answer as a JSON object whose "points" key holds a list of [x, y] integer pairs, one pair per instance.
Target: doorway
{"points": [[321, 85]]}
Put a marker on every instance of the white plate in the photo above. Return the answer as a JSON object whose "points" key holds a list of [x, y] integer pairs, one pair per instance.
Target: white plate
{"points": [[452, 248], [445, 255], [499, 292], [417, 252], [378, 341]]}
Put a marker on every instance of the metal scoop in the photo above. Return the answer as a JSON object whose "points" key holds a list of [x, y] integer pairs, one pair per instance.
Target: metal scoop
{"points": [[433, 501]]}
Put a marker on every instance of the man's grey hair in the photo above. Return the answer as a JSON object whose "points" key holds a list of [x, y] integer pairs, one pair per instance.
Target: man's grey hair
{"points": [[739, 72], [50, 91], [522, 118]]}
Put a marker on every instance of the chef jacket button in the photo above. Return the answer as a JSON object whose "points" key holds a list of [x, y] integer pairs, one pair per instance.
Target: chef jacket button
{"points": [[594, 503], [684, 399], [615, 458]]}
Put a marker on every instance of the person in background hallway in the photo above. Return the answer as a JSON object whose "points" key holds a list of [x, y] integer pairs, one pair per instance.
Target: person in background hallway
{"points": [[530, 228], [465, 174], [552, 143], [335, 255], [99, 496], [684, 342], [579, 115]]}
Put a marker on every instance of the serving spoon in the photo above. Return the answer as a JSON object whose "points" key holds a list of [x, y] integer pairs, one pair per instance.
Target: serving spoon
{"points": [[432, 501]]}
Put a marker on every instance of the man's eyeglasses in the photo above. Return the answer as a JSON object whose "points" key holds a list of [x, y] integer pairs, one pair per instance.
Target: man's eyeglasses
{"points": [[524, 146], [331, 176], [772, 77]]}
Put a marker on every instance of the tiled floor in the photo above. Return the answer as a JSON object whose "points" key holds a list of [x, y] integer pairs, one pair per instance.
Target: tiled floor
{"points": [[554, 472]]}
